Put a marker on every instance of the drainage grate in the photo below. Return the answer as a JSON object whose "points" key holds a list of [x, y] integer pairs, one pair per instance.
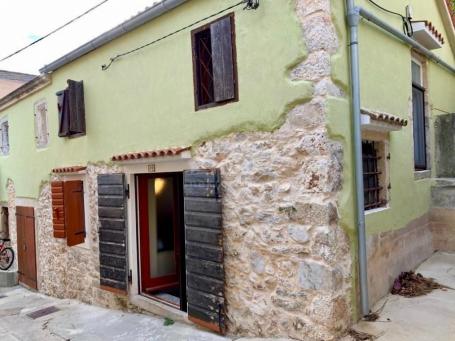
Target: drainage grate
{"points": [[43, 312]]}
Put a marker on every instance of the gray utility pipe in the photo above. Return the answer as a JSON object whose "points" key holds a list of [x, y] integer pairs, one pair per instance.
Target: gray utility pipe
{"points": [[353, 22]]}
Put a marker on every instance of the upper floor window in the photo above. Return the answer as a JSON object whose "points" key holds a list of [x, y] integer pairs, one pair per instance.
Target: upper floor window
{"points": [[4, 136], [418, 116], [214, 63], [41, 127]]}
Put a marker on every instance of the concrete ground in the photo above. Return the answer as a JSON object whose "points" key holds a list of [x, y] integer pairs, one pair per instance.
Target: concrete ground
{"points": [[425, 318], [76, 321]]}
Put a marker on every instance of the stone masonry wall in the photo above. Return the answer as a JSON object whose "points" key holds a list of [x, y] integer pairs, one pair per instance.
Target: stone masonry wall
{"points": [[10, 189], [287, 261], [72, 272]]}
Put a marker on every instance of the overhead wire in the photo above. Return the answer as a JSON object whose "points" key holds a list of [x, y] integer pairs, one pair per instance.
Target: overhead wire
{"points": [[54, 31], [407, 23], [249, 4]]}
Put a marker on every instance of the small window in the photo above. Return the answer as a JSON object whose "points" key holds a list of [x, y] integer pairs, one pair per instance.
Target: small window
{"points": [[214, 63], [68, 210], [41, 130], [71, 110], [4, 132], [418, 116], [373, 175]]}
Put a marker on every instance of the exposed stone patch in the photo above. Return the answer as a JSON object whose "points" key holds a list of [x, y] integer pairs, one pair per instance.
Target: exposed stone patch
{"points": [[72, 272], [12, 225]]}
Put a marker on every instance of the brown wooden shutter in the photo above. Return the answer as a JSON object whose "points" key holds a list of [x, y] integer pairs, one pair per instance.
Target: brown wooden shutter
{"points": [[76, 107], [74, 212], [58, 209], [204, 248], [113, 231], [222, 59], [63, 113]]}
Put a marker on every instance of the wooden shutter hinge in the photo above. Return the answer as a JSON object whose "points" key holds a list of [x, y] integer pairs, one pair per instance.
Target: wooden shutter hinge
{"points": [[127, 191]]}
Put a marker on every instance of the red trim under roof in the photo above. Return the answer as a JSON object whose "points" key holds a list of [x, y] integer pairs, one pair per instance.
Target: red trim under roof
{"points": [[72, 169], [150, 154]]}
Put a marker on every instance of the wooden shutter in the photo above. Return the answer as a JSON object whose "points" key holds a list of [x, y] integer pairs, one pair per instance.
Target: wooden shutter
{"points": [[41, 130], [63, 113], [58, 209], [113, 231], [223, 60], [76, 107], [204, 248], [74, 212]]}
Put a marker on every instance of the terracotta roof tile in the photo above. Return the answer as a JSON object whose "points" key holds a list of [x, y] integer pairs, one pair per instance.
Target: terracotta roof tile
{"points": [[429, 25], [150, 154], [72, 169], [385, 117]]}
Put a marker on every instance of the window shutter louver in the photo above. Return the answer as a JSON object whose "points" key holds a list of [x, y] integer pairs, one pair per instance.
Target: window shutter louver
{"points": [[113, 231], [58, 209], [222, 60], [76, 107], [74, 212], [204, 248]]}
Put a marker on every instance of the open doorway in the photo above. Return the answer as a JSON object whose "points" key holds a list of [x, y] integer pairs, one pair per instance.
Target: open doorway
{"points": [[161, 238]]}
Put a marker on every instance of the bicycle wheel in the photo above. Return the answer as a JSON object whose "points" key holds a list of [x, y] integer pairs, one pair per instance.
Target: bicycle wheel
{"points": [[6, 258]]}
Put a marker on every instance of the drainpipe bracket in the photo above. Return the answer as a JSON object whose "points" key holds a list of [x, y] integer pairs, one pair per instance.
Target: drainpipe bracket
{"points": [[354, 17]]}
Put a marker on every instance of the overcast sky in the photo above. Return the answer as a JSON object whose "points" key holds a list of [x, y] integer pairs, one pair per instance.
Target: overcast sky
{"points": [[23, 21]]}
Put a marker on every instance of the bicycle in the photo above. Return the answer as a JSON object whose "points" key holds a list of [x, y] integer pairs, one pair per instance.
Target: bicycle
{"points": [[6, 255]]}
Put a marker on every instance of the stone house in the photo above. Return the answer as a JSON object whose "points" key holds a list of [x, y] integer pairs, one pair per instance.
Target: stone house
{"points": [[202, 161]]}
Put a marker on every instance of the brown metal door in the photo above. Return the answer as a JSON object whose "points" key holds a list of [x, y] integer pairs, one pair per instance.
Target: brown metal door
{"points": [[26, 250]]}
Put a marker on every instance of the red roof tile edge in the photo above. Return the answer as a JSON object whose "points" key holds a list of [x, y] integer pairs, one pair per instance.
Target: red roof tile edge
{"points": [[72, 169], [429, 25], [150, 154], [382, 116]]}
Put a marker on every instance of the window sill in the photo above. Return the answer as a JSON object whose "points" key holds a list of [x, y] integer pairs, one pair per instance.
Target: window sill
{"points": [[421, 175], [377, 210]]}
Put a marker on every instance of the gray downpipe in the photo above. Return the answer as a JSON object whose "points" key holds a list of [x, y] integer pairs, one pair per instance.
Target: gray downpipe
{"points": [[386, 27], [353, 22]]}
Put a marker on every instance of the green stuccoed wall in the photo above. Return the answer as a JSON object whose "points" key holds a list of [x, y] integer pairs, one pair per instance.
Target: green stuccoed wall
{"points": [[145, 101]]}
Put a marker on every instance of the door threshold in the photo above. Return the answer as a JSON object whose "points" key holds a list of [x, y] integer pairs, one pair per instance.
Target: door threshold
{"points": [[154, 306], [161, 300]]}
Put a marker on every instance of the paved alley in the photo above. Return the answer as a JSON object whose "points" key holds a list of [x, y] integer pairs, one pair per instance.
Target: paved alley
{"points": [[81, 322], [424, 318]]}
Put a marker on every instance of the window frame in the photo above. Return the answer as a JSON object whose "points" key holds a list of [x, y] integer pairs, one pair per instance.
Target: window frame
{"points": [[4, 121], [424, 166], [194, 32], [39, 142]]}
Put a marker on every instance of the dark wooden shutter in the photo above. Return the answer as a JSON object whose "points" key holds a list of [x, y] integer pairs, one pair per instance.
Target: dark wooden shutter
{"points": [[74, 212], [63, 113], [76, 107], [222, 59], [204, 248], [113, 231], [58, 209], [418, 108]]}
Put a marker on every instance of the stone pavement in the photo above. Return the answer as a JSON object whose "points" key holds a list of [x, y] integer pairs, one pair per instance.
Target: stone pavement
{"points": [[76, 321], [425, 318]]}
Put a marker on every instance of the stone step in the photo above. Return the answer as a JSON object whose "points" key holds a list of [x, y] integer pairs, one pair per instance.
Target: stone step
{"points": [[8, 279]]}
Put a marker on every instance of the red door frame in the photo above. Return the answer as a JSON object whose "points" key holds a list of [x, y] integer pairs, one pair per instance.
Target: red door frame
{"points": [[163, 282]]}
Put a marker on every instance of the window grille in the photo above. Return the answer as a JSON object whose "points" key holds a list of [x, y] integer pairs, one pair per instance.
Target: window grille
{"points": [[371, 176]]}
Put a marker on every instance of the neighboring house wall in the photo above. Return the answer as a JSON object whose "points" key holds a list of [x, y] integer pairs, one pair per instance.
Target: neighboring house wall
{"points": [[10, 81], [287, 247], [399, 236]]}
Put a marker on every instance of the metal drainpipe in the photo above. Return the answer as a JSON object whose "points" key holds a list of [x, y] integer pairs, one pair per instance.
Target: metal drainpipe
{"points": [[353, 17]]}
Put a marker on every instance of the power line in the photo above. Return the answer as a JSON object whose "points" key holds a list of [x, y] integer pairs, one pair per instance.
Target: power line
{"points": [[54, 31], [407, 23], [249, 4]]}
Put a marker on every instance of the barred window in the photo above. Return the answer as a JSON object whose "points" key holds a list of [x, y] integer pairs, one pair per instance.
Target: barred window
{"points": [[372, 179]]}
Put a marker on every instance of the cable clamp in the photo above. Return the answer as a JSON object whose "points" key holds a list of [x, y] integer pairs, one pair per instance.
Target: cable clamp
{"points": [[251, 4]]}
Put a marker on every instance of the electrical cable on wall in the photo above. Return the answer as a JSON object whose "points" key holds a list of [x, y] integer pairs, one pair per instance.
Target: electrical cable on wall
{"points": [[249, 5], [54, 31], [407, 23]]}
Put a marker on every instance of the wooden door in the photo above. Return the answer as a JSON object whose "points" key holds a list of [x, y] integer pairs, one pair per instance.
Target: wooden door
{"points": [[26, 249], [164, 215]]}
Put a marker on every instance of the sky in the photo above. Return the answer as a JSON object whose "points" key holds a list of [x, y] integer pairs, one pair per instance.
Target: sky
{"points": [[23, 21]]}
